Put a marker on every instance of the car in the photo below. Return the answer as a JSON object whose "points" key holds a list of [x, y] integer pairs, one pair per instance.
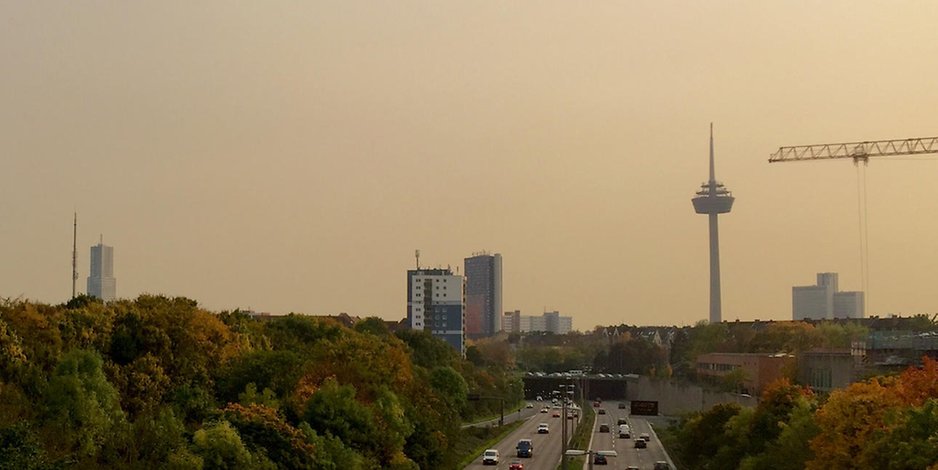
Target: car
{"points": [[622, 421], [599, 459], [516, 465], [602, 411], [570, 415], [644, 436], [529, 405], [545, 410], [640, 444], [621, 405], [543, 428], [596, 404], [625, 432], [490, 457], [603, 427], [662, 465], [632, 467], [556, 414], [525, 448]]}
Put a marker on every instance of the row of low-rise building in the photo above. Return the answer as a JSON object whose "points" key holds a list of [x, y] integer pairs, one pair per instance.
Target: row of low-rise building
{"points": [[823, 369], [548, 322]]}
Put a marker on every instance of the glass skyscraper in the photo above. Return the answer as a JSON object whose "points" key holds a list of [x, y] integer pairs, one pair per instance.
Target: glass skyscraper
{"points": [[483, 294]]}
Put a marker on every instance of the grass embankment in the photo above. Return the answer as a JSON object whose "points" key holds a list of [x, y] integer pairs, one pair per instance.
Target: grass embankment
{"points": [[581, 437], [668, 438], [474, 441]]}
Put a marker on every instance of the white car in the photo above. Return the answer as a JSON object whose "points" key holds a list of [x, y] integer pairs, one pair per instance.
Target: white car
{"points": [[490, 457], [543, 428]]}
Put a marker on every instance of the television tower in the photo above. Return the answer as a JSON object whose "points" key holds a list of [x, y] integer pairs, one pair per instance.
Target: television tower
{"points": [[714, 199]]}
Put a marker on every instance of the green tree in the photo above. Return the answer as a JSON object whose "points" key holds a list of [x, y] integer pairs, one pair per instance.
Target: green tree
{"points": [[82, 406], [701, 436], [220, 447], [450, 386], [20, 449]]}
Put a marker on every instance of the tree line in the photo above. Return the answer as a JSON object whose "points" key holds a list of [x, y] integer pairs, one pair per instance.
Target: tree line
{"points": [[158, 382], [884, 422]]}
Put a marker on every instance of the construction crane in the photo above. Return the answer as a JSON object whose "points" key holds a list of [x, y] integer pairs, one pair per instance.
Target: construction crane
{"points": [[859, 152]]}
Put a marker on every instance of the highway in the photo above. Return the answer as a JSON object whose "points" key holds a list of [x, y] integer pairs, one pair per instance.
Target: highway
{"points": [[625, 448], [547, 446]]}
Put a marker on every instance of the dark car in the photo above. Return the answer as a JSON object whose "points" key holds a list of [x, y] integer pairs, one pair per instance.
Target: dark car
{"points": [[640, 444], [662, 465], [602, 411], [604, 427], [525, 448], [622, 421], [621, 405], [599, 459]]}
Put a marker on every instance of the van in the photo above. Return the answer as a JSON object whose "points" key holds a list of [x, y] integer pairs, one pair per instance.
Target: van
{"points": [[490, 457], [625, 432], [525, 448]]}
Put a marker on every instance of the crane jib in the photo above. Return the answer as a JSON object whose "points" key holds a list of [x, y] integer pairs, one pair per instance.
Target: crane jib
{"points": [[857, 150]]}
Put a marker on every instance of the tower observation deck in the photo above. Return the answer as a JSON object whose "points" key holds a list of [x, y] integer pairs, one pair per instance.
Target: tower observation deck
{"points": [[713, 199]]}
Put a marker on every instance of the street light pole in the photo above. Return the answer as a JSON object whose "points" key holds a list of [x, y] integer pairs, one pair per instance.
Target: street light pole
{"points": [[563, 427], [567, 390]]}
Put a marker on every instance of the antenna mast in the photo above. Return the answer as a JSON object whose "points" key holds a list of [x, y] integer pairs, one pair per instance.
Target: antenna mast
{"points": [[74, 253], [417, 254]]}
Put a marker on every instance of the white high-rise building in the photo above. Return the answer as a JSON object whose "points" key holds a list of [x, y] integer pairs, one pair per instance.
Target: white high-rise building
{"points": [[436, 302], [824, 301], [101, 281]]}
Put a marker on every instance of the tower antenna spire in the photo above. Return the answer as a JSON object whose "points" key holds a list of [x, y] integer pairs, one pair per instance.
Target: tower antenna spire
{"points": [[713, 177], [417, 255], [74, 252]]}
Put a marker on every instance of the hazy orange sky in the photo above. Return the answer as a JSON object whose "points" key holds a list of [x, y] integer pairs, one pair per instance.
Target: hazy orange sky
{"points": [[291, 156]]}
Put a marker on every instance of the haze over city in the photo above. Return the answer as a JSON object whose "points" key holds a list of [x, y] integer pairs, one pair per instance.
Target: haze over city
{"points": [[288, 156]]}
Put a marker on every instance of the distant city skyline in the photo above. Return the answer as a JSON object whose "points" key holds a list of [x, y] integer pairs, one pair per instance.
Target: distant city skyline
{"points": [[289, 157]]}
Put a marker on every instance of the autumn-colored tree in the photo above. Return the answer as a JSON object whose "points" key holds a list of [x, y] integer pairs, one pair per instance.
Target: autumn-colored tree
{"points": [[848, 422], [916, 385], [262, 429]]}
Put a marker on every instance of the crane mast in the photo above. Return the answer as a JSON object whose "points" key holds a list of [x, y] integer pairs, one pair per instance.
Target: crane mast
{"points": [[858, 151]]}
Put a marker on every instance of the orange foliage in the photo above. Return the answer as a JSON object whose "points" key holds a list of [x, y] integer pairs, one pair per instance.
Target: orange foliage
{"points": [[849, 421], [917, 385]]}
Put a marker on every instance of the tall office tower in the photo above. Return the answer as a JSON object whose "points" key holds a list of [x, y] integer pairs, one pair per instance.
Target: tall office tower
{"points": [[714, 199], [436, 303], [483, 294], [101, 281], [825, 301]]}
